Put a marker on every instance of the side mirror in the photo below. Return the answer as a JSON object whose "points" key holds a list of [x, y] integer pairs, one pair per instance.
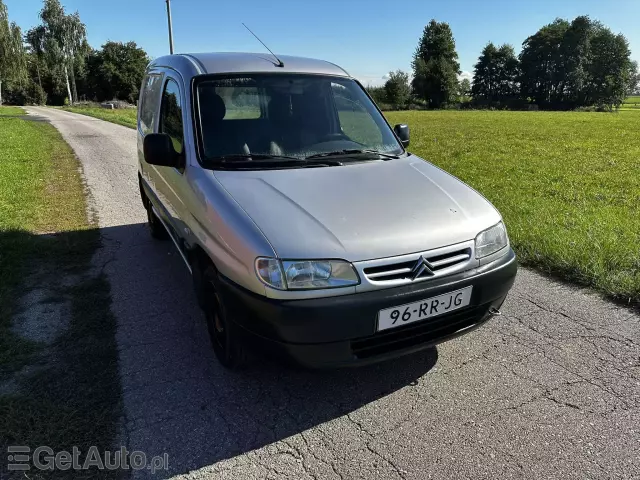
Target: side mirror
{"points": [[158, 150], [402, 131]]}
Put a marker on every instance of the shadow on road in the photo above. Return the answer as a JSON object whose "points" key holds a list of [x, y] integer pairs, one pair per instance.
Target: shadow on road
{"points": [[178, 400]]}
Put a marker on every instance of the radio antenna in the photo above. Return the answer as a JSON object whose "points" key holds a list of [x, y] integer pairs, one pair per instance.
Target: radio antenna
{"points": [[280, 62]]}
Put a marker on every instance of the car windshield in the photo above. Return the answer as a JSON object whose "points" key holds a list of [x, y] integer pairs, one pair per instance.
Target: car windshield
{"points": [[262, 117]]}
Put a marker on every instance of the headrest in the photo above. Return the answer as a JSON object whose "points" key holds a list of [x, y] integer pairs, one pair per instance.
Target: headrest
{"points": [[211, 105]]}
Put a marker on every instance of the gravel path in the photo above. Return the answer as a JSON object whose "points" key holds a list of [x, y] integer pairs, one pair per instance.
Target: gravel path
{"points": [[549, 390]]}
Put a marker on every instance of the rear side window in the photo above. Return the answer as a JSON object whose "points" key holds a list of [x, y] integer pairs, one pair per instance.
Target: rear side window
{"points": [[171, 115], [150, 98]]}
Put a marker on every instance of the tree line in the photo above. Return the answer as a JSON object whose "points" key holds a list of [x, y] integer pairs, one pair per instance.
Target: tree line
{"points": [[564, 65], [53, 62]]}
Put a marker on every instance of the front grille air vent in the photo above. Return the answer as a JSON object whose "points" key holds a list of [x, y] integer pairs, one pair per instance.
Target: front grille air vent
{"points": [[421, 267], [428, 331]]}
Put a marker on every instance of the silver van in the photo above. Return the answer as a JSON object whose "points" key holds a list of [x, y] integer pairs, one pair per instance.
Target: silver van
{"points": [[309, 229]]}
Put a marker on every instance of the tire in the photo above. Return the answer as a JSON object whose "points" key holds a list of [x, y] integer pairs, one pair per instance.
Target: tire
{"points": [[155, 225], [225, 339]]}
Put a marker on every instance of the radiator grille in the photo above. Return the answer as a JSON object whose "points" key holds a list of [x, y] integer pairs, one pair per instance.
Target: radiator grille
{"points": [[423, 266]]}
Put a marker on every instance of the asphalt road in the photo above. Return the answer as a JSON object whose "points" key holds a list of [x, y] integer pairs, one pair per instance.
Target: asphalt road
{"points": [[549, 390]]}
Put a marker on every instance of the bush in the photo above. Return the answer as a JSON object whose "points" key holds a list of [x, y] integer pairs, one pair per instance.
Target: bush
{"points": [[378, 94], [35, 94], [385, 107], [14, 97], [397, 90], [595, 108], [512, 103], [32, 94]]}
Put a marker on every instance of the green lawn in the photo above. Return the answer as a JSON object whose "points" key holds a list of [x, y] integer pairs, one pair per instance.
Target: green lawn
{"points": [[631, 103], [70, 395], [11, 111], [33, 158], [567, 184], [125, 116]]}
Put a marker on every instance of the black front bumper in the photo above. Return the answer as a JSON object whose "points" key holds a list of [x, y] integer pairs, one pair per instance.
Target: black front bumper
{"points": [[341, 331]]}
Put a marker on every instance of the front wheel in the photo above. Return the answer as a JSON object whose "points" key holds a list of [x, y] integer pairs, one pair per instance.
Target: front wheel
{"points": [[155, 225], [225, 339]]}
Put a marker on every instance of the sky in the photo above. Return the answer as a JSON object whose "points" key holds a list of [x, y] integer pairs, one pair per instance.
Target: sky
{"points": [[368, 38]]}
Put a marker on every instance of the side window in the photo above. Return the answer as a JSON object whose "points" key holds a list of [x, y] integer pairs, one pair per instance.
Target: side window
{"points": [[355, 121], [150, 99], [171, 115]]}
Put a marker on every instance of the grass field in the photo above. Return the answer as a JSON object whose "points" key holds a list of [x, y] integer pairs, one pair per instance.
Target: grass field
{"points": [[126, 117], [631, 103], [11, 111], [64, 392], [566, 183]]}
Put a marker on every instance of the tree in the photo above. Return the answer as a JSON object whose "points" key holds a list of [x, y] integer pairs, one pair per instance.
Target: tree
{"points": [[435, 65], [378, 94], [6, 60], [576, 53], [542, 71], [49, 74], [35, 42], [485, 74], [61, 40], [495, 75], [634, 78], [54, 61], [13, 67], [582, 63], [75, 46], [464, 88], [610, 71], [116, 71], [397, 89]]}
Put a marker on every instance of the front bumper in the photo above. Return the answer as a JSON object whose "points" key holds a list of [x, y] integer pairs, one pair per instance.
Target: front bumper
{"points": [[341, 331]]}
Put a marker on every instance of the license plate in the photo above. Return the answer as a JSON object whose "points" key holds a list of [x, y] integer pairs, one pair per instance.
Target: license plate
{"points": [[431, 307]]}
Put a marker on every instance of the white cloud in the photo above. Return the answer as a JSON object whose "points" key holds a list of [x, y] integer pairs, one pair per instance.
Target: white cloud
{"points": [[467, 75]]}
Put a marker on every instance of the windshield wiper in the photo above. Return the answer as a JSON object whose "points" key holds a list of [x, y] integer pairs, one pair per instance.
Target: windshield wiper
{"points": [[346, 153], [246, 160], [250, 157]]}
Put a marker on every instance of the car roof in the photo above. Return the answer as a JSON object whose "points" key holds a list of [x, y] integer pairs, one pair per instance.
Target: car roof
{"points": [[191, 64]]}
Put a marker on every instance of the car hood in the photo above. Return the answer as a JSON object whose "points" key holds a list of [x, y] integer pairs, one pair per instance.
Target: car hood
{"points": [[360, 211]]}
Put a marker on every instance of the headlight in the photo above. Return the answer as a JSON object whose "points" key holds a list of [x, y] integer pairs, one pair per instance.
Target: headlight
{"points": [[491, 240], [306, 274], [269, 271]]}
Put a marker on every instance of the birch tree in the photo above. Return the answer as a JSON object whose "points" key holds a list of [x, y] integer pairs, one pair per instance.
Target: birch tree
{"points": [[61, 39]]}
